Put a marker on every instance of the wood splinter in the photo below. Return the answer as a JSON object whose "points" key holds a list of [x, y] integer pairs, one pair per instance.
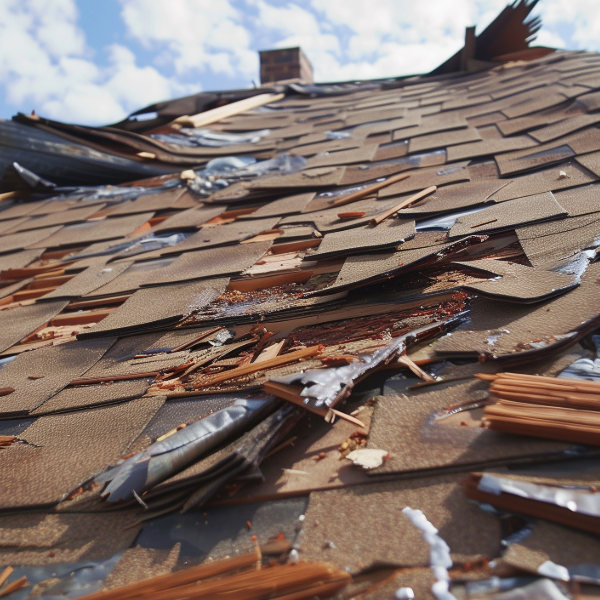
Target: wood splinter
{"points": [[405, 203], [14, 586], [483, 223], [369, 190]]}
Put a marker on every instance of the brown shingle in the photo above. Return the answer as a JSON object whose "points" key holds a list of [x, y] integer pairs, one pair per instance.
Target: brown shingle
{"points": [[20, 321], [91, 231], [37, 376], [63, 451], [164, 305]]}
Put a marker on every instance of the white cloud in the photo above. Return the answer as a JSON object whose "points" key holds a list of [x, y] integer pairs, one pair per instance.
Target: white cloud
{"points": [[46, 65], [362, 39], [388, 37], [551, 39], [193, 35], [299, 27], [580, 15]]}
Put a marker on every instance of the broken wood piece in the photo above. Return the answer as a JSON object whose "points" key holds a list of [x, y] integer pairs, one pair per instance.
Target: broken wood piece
{"points": [[238, 578], [483, 223], [263, 342], [485, 376], [6, 573], [292, 394], [193, 342], [294, 246], [278, 361], [405, 203], [228, 110], [347, 216], [548, 407], [339, 360], [270, 352], [171, 432], [170, 581], [573, 384], [25, 272], [265, 236], [11, 195], [50, 274], [345, 417], [407, 362], [370, 189], [202, 362], [14, 586]]}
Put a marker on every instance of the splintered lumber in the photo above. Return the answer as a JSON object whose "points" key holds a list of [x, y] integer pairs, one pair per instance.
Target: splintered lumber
{"points": [[370, 189], [541, 379], [292, 394], [294, 246], [561, 409], [13, 586], [179, 578], [197, 339], [414, 198], [529, 506], [568, 393], [237, 578], [6, 573], [11, 195], [411, 365], [229, 110], [25, 272], [332, 413], [271, 363], [269, 352]]}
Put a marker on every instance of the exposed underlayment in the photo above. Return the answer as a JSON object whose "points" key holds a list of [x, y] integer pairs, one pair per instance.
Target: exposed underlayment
{"points": [[286, 330]]}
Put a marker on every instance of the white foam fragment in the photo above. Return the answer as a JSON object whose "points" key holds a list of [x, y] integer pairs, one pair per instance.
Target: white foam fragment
{"points": [[439, 553], [368, 458]]}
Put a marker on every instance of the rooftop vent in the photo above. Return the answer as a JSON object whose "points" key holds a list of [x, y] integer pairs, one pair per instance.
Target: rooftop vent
{"points": [[286, 64]]}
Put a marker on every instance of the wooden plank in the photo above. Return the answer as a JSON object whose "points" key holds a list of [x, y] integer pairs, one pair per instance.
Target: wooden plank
{"points": [[414, 198], [229, 110]]}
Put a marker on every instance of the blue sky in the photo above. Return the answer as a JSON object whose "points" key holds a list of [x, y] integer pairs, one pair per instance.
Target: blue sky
{"points": [[95, 61]]}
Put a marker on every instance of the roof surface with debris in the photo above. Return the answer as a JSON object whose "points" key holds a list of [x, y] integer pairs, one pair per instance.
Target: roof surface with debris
{"points": [[265, 319]]}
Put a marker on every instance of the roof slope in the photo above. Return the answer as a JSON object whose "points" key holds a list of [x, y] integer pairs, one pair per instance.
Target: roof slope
{"points": [[281, 266]]}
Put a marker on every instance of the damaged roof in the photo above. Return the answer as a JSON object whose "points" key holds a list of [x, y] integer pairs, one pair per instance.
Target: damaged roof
{"points": [[279, 323]]}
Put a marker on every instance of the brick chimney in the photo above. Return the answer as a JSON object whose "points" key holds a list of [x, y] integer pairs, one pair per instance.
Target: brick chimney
{"points": [[284, 65]]}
